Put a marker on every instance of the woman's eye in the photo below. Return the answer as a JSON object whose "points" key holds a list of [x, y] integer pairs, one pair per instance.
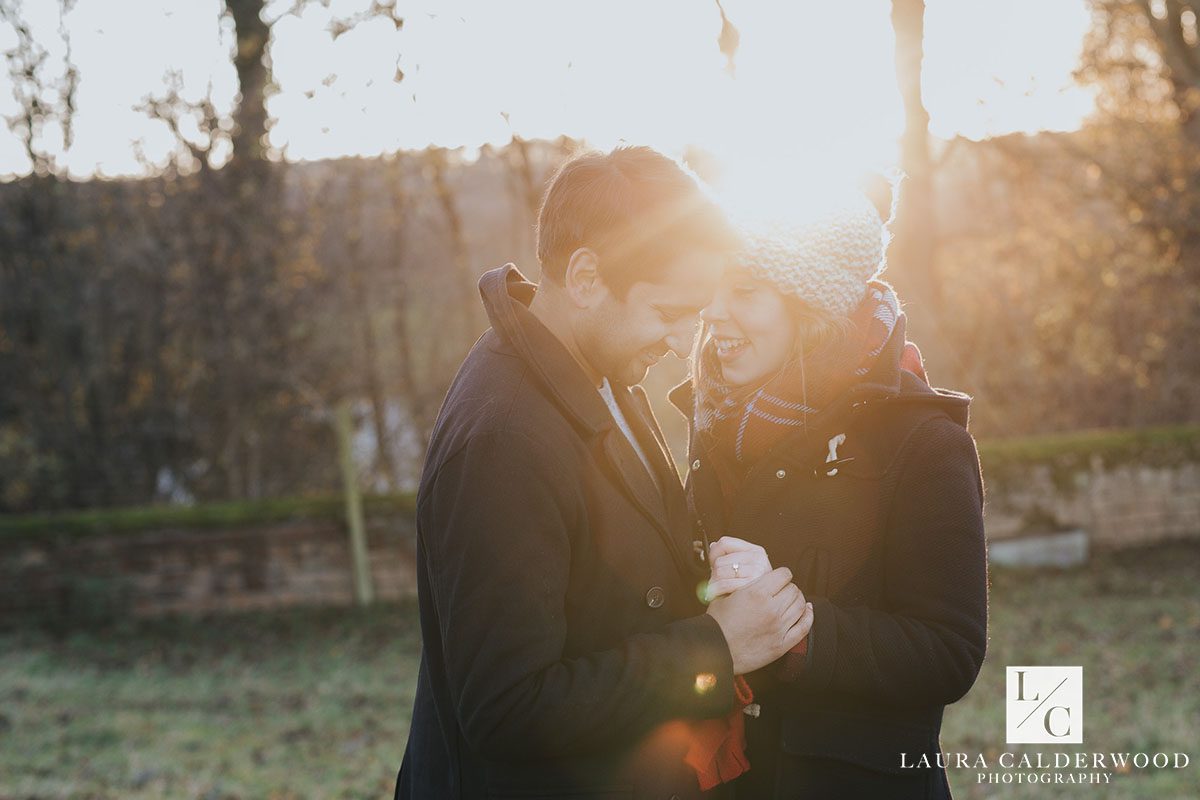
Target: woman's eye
{"points": [[744, 288]]}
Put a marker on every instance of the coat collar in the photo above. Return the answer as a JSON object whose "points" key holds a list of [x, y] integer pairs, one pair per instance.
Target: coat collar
{"points": [[506, 297]]}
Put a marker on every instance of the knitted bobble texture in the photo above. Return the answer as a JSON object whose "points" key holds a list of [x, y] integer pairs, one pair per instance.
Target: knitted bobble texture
{"points": [[825, 260]]}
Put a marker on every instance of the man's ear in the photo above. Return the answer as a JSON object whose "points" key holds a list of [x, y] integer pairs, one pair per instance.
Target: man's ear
{"points": [[582, 279]]}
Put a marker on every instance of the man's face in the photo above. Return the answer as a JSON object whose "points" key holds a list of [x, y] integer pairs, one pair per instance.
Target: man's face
{"points": [[622, 338]]}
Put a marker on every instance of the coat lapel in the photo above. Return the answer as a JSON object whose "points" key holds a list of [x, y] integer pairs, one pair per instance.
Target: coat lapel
{"points": [[633, 477], [665, 503], [654, 444], [640, 416]]}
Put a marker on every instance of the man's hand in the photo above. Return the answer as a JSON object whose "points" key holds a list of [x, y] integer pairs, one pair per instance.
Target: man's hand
{"points": [[734, 563], [763, 620]]}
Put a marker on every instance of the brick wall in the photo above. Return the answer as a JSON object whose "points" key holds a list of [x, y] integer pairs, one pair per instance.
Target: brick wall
{"points": [[159, 572], [1119, 505]]}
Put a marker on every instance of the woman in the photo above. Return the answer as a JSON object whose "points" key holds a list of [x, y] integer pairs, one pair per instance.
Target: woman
{"points": [[817, 444]]}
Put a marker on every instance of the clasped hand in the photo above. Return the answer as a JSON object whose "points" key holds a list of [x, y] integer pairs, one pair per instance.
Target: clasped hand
{"points": [[761, 612]]}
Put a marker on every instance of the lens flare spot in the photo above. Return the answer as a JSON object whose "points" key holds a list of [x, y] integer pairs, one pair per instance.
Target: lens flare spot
{"points": [[705, 682]]}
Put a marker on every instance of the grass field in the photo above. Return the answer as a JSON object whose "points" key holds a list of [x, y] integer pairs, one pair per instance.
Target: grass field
{"points": [[1133, 622], [314, 703]]}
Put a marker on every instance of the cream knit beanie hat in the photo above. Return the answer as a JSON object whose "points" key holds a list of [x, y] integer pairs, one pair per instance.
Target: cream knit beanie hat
{"points": [[824, 257]]}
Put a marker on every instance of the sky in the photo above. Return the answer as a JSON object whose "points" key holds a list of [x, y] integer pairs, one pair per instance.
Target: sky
{"points": [[814, 81]]}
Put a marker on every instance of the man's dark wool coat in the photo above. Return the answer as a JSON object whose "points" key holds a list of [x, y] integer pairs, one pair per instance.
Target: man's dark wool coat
{"points": [[887, 543], [562, 634]]}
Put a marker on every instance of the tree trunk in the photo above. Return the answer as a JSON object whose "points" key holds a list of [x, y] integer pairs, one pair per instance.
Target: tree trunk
{"points": [[250, 114], [913, 253], [363, 311], [466, 278]]}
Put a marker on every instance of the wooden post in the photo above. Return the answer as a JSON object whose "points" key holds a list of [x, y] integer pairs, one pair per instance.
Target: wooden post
{"points": [[363, 590]]}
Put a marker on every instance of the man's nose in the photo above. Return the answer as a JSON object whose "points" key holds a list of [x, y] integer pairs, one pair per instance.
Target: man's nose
{"points": [[714, 311], [682, 337]]}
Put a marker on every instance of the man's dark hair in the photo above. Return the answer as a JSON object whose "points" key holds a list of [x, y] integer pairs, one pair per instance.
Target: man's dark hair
{"points": [[635, 207]]}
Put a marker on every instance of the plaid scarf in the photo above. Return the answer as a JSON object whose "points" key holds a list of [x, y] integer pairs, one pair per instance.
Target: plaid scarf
{"points": [[745, 423]]}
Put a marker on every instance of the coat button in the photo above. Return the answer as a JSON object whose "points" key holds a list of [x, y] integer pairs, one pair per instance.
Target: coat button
{"points": [[696, 464], [782, 473], [655, 597]]}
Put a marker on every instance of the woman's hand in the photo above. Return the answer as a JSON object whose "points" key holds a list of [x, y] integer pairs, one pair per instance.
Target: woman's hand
{"points": [[734, 563]]}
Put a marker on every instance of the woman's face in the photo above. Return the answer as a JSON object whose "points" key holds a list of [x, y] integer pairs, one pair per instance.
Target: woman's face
{"points": [[753, 327]]}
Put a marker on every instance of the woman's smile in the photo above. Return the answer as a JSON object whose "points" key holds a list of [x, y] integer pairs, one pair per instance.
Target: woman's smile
{"points": [[729, 347]]}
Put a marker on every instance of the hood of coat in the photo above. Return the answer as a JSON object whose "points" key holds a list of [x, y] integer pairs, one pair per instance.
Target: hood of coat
{"points": [[506, 297], [886, 383], [889, 383]]}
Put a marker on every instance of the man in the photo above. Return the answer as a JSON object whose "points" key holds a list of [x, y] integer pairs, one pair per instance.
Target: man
{"points": [[564, 644]]}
